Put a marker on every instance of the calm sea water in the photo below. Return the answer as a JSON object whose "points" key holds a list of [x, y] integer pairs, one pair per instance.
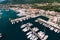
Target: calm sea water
{"points": [[13, 32]]}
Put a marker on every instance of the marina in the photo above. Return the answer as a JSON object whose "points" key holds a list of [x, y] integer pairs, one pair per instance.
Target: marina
{"points": [[48, 24], [14, 31], [33, 33]]}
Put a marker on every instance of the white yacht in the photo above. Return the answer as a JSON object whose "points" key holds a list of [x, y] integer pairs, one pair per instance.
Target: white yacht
{"points": [[33, 37], [13, 22], [35, 29], [21, 20], [17, 21], [51, 28], [29, 33], [36, 38], [45, 38], [41, 34], [29, 24], [24, 25], [29, 36], [56, 30], [25, 29]]}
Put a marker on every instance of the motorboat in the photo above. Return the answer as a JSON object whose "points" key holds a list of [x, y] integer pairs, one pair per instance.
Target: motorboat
{"points": [[45, 38], [29, 36], [56, 30], [33, 37], [35, 29], [25, 29], [29, 33], [23, 25], [41, 34], [51, 28], [29, 24]]}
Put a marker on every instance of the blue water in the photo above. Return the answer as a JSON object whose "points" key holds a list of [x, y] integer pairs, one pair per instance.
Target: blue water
{"points": [[13, 32]]}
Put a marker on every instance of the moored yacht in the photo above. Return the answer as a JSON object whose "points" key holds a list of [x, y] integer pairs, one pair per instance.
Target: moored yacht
{"points": [[42, 35], [51, 28], [29, 33], [35, 29], [30, 24], [56, 30], [13, 22], [23, 25], [17, 21], [45, 38], [33, 37], [25, 29]]}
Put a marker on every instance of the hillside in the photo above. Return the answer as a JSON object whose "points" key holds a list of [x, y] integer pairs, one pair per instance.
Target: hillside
{"points": [[30, 1]]}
